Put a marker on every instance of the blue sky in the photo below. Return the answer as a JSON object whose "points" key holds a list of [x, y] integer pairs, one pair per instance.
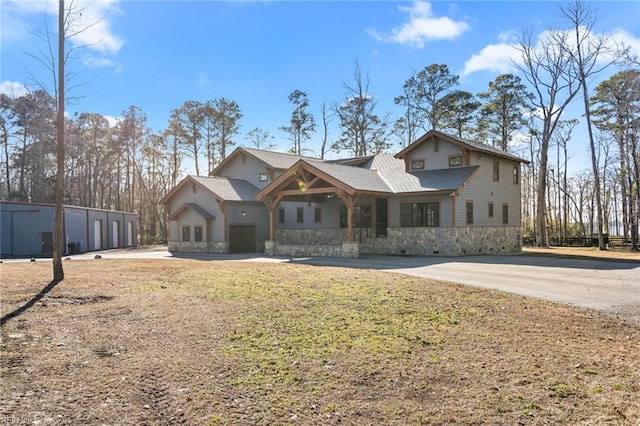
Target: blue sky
{"points": [[158, 54]]}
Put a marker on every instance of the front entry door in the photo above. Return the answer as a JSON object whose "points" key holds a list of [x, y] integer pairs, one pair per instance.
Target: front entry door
{"points": [[381, 217]]}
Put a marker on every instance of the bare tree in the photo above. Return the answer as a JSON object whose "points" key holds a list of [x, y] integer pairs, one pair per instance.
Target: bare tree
{"points": [[589, 49], [547, 66], [260, 139], [327, 117], [363, 131]]}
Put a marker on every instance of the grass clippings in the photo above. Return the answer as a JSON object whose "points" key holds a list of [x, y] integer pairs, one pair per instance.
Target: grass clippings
{"points": [[135, 342]]}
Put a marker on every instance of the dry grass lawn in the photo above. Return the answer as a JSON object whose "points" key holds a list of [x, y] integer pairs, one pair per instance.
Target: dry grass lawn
{"points": [[614, 253], [157, 342]]}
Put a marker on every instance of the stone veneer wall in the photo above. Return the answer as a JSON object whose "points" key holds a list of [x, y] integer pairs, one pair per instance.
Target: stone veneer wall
{"points": [[311, 236], [345, 249], [198, 247], [448, 241]]}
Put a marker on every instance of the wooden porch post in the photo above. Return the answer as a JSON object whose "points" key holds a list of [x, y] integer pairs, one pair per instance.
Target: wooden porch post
{"points": [[272, 205], [349, 202]]}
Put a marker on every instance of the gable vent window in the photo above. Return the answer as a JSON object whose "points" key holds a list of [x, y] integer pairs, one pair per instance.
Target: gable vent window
{"points": [[455, 161], [417, 165]]}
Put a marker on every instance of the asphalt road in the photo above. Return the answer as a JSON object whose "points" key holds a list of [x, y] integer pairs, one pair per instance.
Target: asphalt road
{"points": [[609, 286]]}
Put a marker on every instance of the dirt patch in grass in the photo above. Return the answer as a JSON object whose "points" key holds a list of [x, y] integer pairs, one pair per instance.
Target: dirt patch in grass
{"points": [[146, 342]]}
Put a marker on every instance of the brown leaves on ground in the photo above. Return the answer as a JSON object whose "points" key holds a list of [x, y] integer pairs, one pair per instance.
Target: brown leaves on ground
{"points": [[135, 342]]}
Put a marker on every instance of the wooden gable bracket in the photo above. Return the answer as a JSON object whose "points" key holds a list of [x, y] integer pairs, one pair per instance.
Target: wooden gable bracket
{"points": [[271, 172], [221, 205]]}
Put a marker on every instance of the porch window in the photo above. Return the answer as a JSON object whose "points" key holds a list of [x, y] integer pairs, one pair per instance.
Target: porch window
{"points": [[186, 233], [469, 212], [505, 214], [281, 215], [420, 214], [496, 171], [300, 214], [361, 217], [490, 209], [317, 214], [197, 233]]}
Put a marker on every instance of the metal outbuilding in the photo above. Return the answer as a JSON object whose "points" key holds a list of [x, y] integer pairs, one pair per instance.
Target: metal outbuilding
{"points": [[26, 229]]}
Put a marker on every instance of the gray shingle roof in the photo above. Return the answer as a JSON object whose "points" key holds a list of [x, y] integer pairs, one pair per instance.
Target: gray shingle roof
{"points": [[358, 178], [229, 189], [392, 170], [486, 148], [277, 160]]}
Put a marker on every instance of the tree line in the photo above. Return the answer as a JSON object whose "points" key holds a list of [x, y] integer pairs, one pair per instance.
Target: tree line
{"points": [[128, 166]]}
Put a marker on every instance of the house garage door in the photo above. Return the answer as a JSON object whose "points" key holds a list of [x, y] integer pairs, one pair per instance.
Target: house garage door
{"points": [[242, 238]]}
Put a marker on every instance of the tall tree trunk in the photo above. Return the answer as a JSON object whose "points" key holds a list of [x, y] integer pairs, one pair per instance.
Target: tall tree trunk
{"points": [[58, 236], [594, 164]]}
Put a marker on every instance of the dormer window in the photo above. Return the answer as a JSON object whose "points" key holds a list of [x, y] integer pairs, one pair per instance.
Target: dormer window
{"points": [[455, 161], [417, 164], [263, 177]]}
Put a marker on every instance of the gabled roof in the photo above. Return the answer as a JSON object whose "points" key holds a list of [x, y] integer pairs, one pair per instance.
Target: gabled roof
{"points": [[229, 189], [463, 143], [225, 189], [194, 207], [358, 178], [392, 170], [271, 159]]}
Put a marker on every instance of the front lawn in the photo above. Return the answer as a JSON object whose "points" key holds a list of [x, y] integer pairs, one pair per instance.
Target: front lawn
{"points": [[155, 342]]}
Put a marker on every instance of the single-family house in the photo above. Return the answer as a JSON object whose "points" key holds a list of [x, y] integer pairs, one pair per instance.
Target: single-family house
{"points": [[440, 195]]}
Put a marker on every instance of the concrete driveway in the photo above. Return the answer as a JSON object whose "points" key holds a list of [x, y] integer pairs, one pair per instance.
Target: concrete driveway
{"points": [[609, 286]]}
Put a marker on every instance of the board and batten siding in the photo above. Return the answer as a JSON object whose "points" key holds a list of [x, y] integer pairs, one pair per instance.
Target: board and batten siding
{"points": [[434, 160], [482, 189], [248, 170], [204, 199]]}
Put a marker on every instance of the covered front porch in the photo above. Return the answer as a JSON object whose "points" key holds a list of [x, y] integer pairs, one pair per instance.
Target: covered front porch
{"points": [[315, 186]]}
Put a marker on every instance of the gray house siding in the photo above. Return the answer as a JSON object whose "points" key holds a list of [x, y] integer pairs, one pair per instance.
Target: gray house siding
{"points": [[429, 174], [249, 170]]}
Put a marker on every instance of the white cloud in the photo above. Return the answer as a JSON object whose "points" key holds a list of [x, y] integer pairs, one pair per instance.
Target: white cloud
{"points": [[113, 121], [494, 57], [90, 25], [500, 57], [422, 27], [13, 89]]}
